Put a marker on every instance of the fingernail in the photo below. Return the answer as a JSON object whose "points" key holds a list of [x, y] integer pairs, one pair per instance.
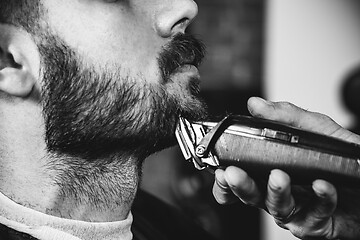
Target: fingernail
{"points": [[319, 190], [263, 100], [221, 186], [256, 103], [273, 182]]}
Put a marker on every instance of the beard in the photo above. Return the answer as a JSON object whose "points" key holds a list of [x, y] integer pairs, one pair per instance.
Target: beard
{"points": [[92, 113], [101, 124]]}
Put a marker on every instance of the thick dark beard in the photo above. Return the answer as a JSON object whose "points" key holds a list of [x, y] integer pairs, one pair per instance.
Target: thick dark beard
{"points": [[101, 125], [90, 114]]}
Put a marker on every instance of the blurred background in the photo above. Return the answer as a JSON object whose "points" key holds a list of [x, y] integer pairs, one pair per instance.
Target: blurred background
{"points": [[303, 51]]}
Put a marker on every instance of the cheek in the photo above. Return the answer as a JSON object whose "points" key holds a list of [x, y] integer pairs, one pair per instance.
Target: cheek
{"points": [[107, 37], [136, 52], [136, 60]]}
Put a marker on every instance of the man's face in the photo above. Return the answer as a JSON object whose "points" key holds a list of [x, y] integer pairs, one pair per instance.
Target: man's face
{"points": [[116, 74]]}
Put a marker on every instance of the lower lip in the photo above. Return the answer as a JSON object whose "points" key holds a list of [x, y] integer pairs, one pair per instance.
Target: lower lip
{"points": [[188, 69]]}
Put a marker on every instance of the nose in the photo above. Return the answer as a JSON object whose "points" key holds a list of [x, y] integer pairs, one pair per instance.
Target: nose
{"points": [[174, 17]]}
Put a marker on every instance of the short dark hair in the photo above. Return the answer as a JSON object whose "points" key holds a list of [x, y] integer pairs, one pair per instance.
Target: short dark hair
{"points": [[20, 13]]}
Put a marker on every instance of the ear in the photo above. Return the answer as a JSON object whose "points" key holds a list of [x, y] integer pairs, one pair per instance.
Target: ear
{"points": [[19, 61]]}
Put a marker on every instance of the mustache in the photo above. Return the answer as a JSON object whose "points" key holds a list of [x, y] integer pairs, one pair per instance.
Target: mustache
{"points": [[182, 49]]}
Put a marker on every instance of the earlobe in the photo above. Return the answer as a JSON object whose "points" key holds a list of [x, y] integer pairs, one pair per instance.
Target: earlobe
{"points": [[19, 62], [16, 82]]}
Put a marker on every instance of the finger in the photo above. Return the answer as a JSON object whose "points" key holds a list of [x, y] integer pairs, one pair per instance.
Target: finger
{"points": [[243, 186], [279, 201], [326, 201], [290, 114], [319, 216], [221, 191]]}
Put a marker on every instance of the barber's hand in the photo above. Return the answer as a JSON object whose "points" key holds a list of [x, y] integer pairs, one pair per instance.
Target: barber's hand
{"points": [[324, 212]]}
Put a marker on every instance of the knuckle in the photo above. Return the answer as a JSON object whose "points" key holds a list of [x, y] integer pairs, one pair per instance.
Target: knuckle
{"points": [[249, 202], [286, 106], [323, 117]]}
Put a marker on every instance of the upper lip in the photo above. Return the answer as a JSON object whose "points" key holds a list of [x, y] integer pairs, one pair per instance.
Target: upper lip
{"points": [[189, 61]]}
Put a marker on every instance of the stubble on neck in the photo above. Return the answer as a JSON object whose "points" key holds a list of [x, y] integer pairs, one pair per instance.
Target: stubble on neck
{"points": [[100, 190]]}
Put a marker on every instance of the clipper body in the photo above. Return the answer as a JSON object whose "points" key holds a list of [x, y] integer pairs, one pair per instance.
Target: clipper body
{"points": [[258, 146]]}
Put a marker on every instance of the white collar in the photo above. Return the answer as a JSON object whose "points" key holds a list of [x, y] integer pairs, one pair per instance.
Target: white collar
{"points": [[47, 227]]}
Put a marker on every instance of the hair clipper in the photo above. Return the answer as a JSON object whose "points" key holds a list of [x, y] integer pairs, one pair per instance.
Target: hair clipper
{"points": [[258, 146]]}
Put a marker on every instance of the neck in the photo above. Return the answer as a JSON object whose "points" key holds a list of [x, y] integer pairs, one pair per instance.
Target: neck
{"points": [[98, 191], [64, 186]]}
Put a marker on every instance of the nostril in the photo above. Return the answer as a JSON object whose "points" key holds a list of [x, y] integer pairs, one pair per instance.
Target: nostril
{"points": [[167, 29], [173, 19], [182, 23]]}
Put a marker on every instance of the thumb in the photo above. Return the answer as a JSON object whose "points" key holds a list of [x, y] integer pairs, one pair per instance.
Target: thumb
{"points": [[293, 115]]}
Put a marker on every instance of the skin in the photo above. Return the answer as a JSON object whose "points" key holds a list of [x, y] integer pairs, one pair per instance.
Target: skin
{"points": [[123, 38], [130, 32], [324, 215], [129, 35]]}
